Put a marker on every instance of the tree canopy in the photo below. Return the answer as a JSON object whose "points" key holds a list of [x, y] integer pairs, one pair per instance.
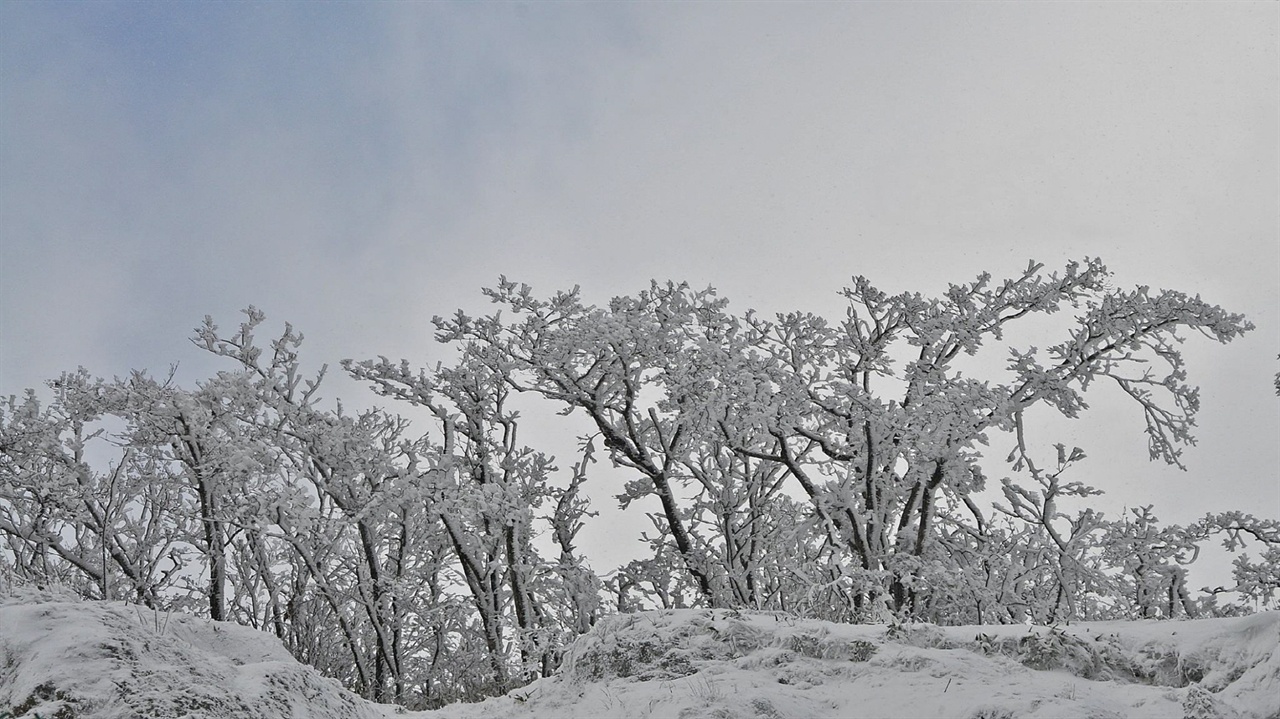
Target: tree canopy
{"points": [[843, 468]]}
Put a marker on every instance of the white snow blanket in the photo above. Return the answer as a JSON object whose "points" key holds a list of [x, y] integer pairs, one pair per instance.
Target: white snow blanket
{"points": [[726, 664], [110, 660], [90, 660]]}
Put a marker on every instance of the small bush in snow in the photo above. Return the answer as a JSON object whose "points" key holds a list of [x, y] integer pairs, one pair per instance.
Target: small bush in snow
{"points": [[992, 713], [1201, 704], [924, 636], [817, 645]]}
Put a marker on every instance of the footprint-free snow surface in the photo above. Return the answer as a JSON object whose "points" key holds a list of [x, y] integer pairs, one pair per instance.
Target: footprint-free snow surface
{"points": [[71, 659]]}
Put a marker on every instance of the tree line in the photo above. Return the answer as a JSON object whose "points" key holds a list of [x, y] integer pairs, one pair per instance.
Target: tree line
{"points": [[831, 468]]}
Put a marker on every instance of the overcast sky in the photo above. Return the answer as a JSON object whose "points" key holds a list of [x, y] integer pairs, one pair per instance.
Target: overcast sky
{"points": [[357, 168]]}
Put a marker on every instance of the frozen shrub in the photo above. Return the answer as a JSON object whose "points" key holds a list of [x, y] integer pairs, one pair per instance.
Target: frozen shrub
{"points": [[644, 660], [740, 638], [1052, 650], [924, 636], [819, 645], [1200, 703], [765, 709], [990, 712], [912, 663]]}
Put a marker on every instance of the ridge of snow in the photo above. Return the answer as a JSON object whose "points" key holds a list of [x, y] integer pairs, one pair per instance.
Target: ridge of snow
{"points": [[70, 659], [110, 660], [757, 665]]}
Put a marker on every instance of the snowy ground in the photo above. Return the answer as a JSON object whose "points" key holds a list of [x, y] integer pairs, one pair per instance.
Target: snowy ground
{"points": [[76, 660], [110, 660], [727, 664]]}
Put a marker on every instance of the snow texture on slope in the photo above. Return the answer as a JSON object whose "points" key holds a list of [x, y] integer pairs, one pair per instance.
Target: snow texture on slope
{"points": [[90, 660], [110, 660], [726, 664]]}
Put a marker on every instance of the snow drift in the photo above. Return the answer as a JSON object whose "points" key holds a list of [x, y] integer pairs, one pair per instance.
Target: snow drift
{"points": [[726, 664], [74, 660], [110, 660]]}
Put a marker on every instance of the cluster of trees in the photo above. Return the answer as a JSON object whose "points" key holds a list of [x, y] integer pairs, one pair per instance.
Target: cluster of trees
{"points": [[830, 469], [400, 564]]}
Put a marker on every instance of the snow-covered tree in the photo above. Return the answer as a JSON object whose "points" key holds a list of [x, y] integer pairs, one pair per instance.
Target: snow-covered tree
{"points": [[870, 416], [112, 532], [609, 364], [832, 469], [484, 488]]}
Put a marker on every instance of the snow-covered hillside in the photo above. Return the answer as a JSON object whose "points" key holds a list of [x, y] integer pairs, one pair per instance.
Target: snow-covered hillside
{"points": [[728, 664], [75, 659], [72, 660]]}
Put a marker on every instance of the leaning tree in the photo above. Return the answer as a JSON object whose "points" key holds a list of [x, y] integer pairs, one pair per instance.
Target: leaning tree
{"points": [[870, 418]]}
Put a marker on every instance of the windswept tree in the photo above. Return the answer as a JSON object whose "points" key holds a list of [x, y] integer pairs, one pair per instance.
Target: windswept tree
{"points": [[870, 416], [833, 469]]}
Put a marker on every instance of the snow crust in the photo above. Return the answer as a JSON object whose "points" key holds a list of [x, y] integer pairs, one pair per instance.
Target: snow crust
{"points": [[73, 659], [727, 664]]}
